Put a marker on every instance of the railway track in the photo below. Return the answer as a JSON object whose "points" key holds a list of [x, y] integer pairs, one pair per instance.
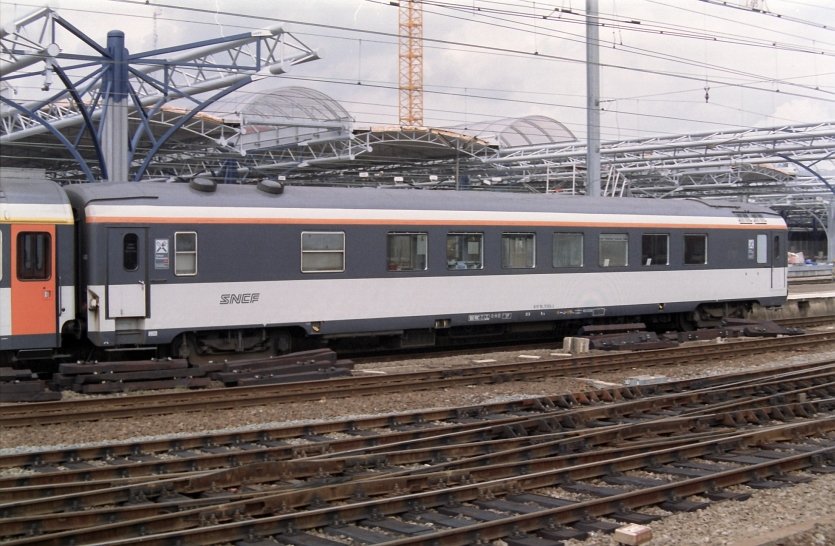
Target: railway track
{"points": [[211, 399], [527, 472], [127, 460]]}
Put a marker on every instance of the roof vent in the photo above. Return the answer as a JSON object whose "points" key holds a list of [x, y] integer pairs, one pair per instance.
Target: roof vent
{"points": [[203, 184], [271, 186]]}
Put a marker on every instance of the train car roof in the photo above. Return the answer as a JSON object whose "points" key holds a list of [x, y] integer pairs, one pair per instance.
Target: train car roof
{"points": [[305, 197], [33, 201]]}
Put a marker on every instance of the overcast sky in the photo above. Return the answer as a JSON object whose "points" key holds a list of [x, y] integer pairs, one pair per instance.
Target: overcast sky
{"points": [[485, 60]]}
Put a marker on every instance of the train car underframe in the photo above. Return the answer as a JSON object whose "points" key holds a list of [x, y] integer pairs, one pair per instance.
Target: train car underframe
{"points": [[254, 342]]}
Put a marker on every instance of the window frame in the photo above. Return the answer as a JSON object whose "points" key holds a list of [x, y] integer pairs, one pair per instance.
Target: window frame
{"points": [[126, 253], [21, 272], [417, 239], [178, 253], [458, 237], [651, 259], [554, 254], [600, 242], [684, 257], [762, 248], [529, 255], [342, 251]]}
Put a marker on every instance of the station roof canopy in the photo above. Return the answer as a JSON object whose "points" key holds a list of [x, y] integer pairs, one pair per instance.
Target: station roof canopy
{"points": [[304, 136]]}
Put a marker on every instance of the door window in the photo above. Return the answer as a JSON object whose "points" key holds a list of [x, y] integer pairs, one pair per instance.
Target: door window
{"points": [[34, 256], [130, 252]]}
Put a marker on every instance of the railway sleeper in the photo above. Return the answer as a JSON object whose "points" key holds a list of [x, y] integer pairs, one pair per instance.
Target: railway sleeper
{"points": [[769, 471]]}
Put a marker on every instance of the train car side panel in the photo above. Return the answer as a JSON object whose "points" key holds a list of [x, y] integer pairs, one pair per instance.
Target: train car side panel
{"points": [[34, 295], [163, 260], [5, 283], [36, 289]]}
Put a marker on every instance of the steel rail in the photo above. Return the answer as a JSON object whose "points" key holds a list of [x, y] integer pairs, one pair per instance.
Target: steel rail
{"points": [[39, 413], [361, 428], [465, 456], [244, 450], [536, 458], [438, 438], [231, 521]]}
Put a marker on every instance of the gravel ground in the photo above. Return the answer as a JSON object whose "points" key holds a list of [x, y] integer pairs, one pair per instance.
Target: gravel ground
{"points": [[806, 512]]}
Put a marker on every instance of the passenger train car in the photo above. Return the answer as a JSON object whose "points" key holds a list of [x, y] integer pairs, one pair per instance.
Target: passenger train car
{"points": [[198, 269]]}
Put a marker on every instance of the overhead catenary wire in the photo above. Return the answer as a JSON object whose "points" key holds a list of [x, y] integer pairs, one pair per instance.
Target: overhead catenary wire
{"points": [[750, 81]]}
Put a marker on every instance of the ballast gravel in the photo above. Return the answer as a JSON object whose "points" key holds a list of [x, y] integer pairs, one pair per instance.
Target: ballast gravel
{"points": [[796, 515]]}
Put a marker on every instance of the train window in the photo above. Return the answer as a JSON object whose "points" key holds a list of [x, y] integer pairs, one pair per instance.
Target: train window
{"points": [[130, 252], [762, 248], [323, 251], [655, 249], [185, 253], [407, 251], [518, 250], [695, 249], [465, 250], [568, 250], [614, 249], [34, 256], [775, 252]]}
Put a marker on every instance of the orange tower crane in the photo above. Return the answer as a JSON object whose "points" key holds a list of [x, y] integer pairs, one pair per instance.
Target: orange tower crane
{"points": [[410, 33]]}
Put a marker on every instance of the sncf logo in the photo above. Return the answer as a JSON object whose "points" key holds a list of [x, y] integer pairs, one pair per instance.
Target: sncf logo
{"points": [[226, 299]]}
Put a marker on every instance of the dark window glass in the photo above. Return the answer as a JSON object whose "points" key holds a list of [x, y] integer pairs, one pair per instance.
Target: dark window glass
{"points": [[695, 249], [34, 256], [130, 252], [655, 249]]}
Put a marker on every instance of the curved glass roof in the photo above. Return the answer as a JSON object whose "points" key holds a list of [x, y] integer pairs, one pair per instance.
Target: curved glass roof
{"points": [[520, 132], [285, 103]]}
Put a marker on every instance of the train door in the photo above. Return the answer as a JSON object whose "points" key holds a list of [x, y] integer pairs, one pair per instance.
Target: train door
{"points": [[34, 294], [771, 259], [127, 273]]}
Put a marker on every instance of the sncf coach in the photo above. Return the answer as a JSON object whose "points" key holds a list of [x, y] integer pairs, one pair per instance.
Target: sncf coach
{"points": [[198, 269]]}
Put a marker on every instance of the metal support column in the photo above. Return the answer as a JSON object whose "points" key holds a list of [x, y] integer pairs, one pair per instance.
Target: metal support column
{"points": [[114, 127], [830, 232], [592, 100]]}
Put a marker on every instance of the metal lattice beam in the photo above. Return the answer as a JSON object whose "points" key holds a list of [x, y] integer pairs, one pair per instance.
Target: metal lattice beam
{"points": [[96, 83]]}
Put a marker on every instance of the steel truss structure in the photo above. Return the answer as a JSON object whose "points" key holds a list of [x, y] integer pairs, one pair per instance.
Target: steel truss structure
{"points": [[100, 89], [304, 137]]}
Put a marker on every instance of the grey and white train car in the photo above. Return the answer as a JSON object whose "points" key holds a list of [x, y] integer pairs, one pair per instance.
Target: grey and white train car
{"points": [[37, 282], [208, 269]]}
